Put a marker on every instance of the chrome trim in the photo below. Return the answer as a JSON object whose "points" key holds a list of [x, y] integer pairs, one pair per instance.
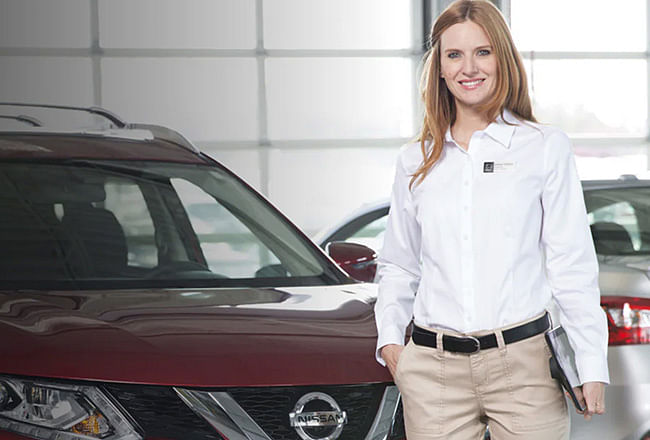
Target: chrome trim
{"points": [[381, 426], [23, 118], [167, 134], [298, 410], [225, 415], [106, 114]]}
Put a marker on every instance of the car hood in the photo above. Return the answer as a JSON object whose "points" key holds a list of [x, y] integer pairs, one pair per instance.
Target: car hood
{"points": [[206, 337]]}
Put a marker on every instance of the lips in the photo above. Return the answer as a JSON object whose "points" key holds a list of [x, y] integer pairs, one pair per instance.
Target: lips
{"points": [[471, 84]]}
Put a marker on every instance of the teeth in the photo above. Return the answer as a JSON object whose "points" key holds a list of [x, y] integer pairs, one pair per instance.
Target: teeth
{"points": [[472, 83]]}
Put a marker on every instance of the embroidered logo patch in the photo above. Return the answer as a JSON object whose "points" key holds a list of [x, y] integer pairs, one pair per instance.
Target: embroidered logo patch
{"points": [[488, 167]]}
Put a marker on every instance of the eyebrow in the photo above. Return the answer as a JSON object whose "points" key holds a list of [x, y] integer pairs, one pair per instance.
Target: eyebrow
{"points": [[486, 46]]}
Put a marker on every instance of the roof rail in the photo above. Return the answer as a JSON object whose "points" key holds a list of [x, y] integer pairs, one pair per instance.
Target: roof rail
{"points": [[23, 118], [116, 120], [158, 131], [167, 134]]}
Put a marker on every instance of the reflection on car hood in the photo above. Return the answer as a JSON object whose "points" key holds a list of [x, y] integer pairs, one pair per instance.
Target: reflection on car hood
{"points": [[625, 275], [211, 337]]}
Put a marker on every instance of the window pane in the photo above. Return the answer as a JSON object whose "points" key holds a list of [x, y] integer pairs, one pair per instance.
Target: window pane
{"points": [[206, 99], [336, 180], [45, 23], [592, 97], [202, 24], [46, 80], [579, 25], [596, 166], [337, 24], [243, 162], [338, 98]]}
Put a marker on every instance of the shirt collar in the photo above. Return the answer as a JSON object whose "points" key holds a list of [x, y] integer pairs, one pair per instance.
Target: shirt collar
{"points": [[503, 128], [500, 130]]}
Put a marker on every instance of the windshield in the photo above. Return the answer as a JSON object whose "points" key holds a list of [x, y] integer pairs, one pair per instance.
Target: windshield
{"points": [[620, 220], [111, 224]]}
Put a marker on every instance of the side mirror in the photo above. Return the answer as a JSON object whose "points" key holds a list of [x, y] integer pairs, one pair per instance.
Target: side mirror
{"points": [[359, 261]]}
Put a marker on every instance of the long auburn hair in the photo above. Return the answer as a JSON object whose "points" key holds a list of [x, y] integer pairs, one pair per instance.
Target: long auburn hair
{"points": [[510, 90]]}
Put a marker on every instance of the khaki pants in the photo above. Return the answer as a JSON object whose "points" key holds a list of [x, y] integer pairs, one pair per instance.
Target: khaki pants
{"points": [[453, 396]]}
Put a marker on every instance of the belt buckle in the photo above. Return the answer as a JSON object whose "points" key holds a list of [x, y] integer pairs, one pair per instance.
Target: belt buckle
{"points": [[477, 344]]}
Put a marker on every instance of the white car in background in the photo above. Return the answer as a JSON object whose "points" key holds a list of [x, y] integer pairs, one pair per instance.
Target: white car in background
{"points": [[619, 215]]}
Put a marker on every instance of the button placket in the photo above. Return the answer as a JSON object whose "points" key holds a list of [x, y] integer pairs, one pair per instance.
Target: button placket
{"points": [[467, 277]]}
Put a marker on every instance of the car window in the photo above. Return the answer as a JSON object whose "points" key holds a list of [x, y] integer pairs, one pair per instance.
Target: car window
{"points": [[229, 247], [126, 201], [622, 215], [371, 235], [101, 224], [620, 220]]}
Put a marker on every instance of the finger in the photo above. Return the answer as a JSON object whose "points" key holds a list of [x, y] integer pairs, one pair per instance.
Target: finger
{"points": [[580, 397], [591, 406], [578, 392], [568, 396], [589, 409]]}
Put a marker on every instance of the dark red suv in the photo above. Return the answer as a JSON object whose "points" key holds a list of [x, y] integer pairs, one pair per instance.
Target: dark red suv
{"points": [[146, 292]]}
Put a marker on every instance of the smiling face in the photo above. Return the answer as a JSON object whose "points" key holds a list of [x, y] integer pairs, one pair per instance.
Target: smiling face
{"points": [[468, 64]]}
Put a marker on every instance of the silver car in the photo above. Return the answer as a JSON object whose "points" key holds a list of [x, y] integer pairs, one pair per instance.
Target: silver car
{"points": [[619, 215]]}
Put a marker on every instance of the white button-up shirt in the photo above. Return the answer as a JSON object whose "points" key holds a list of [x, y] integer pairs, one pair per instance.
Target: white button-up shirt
{"points": [[488, 238]]}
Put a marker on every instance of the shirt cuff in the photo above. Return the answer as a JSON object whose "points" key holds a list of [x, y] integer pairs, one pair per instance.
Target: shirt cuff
{"points": [[592, 369], [389, 335]]}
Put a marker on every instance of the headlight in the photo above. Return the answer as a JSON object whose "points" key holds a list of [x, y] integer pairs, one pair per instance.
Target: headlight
{"points": [[45, 410]]}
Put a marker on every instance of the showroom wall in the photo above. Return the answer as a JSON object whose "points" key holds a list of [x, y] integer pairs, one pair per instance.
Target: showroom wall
{"points": [[309, 100]]}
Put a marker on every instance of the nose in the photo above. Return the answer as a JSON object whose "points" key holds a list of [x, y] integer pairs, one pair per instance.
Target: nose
{"points": [[470, 66]]}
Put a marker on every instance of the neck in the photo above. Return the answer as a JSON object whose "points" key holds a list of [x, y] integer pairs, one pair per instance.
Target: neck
{"points": [[469, 119], [467, 122]]}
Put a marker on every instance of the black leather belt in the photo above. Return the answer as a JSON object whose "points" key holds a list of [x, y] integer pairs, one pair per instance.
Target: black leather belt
{"points": [[471, 344]]}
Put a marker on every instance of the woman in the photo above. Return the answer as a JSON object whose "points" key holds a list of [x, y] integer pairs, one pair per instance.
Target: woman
{"points": [[487, 226]]}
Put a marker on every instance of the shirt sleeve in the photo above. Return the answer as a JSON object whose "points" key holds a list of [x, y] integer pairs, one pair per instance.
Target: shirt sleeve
{"points": [[571, 263], [398, 265]]}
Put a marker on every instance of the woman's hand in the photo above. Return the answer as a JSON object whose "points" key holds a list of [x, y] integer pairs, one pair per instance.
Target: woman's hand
{"points": [[390, 354], [592, 397]]}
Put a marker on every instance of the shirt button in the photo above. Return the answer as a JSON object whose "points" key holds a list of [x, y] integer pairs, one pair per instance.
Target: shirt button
{"points": [[465, 237], [466, 208], [466, 183]]}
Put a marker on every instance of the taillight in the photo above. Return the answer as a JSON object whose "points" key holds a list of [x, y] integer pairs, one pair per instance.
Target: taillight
{"points": [[628, 319]]}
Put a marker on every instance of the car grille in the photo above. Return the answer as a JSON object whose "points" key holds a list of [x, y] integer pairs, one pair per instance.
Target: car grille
{"points": [[161, 413], [270, 407]]}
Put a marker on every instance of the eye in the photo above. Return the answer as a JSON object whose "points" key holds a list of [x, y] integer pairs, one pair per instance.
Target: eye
{"points": [[484, 52], [453, 55]]}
